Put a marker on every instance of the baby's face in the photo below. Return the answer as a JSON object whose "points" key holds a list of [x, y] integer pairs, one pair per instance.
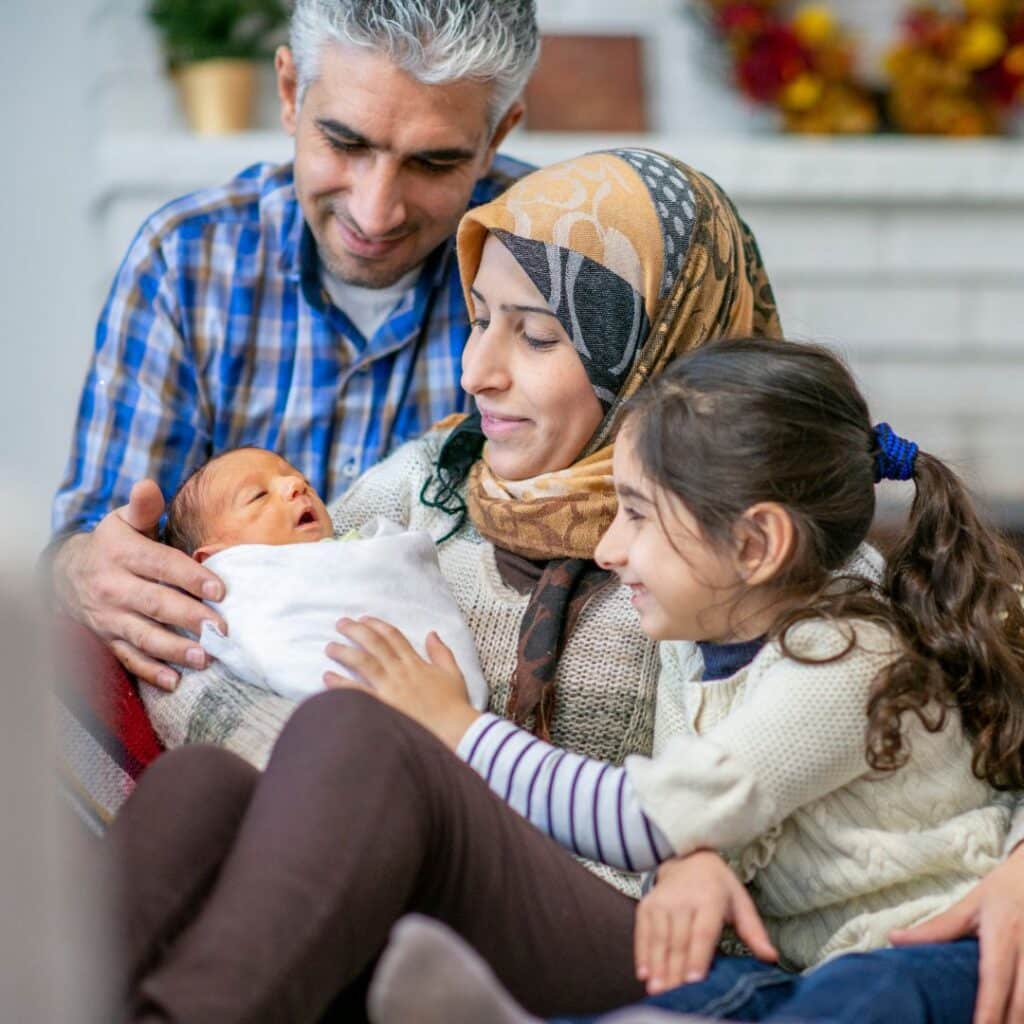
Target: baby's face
{"points": [[255, 497]]}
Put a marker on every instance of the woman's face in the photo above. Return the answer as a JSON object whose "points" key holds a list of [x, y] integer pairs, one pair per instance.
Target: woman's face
{"points": [[537, 406]]}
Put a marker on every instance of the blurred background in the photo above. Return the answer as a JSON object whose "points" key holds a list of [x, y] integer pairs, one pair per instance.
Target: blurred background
{"points": [[874, 146], [903, 250]]}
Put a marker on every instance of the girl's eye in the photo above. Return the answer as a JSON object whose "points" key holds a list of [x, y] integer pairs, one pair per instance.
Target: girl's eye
{"points": [[631, 514], [480, 323]]}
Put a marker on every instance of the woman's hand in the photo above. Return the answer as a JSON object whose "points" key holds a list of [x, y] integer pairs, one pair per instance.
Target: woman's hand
{"points": [[679, 922], [993, 911], [431, 692]]}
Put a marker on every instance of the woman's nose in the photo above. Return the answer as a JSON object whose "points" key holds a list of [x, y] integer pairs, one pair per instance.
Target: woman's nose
{"points": [[484, 363]]}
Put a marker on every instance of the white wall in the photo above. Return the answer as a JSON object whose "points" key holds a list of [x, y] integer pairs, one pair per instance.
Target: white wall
{"points": [[46, 260]]}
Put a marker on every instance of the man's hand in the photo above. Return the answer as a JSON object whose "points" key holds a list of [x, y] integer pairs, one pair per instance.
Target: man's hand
{"points": [[431, 692], [993, 911], [119, 581], [679, 922]]}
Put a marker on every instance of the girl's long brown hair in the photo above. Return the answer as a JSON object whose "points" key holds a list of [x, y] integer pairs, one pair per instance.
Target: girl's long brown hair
{"points": [[744, 421]]}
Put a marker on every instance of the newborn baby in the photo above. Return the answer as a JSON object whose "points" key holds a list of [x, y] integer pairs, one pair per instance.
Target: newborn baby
{"points": [[256, 522]]}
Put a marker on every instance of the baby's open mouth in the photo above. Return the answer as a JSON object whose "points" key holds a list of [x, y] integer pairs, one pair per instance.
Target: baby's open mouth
{"points": [[307, 518]]}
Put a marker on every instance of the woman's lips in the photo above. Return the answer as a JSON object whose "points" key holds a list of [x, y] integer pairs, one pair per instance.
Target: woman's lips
{"points": [[499, 426]]}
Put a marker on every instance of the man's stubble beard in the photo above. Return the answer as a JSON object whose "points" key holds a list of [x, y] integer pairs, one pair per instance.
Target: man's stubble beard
{"points": [[363, 276]]}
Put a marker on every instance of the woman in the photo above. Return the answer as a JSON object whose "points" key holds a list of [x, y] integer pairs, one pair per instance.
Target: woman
{"points": [[586, 278]]}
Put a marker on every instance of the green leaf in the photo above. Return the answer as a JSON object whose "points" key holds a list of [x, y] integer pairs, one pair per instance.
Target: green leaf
{"points": [[195, 30]]}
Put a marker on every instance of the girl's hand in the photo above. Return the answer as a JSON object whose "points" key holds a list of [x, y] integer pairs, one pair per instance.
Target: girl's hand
{"points": [[679, 922], [993, 911], [431, 692]]}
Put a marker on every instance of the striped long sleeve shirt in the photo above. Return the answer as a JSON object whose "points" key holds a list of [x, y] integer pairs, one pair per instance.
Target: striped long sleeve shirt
{"points": [[587, 806], [218, 332]]}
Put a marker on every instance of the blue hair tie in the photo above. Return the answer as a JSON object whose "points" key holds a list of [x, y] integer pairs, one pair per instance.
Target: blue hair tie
{"points": [[896, 455]]}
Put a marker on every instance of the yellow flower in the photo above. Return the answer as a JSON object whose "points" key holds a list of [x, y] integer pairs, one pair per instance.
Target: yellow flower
{"points": [[985, 8], [981, 42], [814, 25], [803, 92]]}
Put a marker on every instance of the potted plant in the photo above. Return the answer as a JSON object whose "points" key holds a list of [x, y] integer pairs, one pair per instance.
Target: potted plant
{"points": [[213, 50]]}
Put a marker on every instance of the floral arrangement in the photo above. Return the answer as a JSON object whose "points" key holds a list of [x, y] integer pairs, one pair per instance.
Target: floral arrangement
{"points": [[957, 67], [960, 71], [805, 64]]}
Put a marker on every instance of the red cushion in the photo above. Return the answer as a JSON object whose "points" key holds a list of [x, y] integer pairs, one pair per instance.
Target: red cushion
{"points": [[105, 700]]}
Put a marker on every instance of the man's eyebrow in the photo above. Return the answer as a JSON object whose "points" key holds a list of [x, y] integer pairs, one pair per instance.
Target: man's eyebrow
{"points": [[446, 154], [329, 126]]}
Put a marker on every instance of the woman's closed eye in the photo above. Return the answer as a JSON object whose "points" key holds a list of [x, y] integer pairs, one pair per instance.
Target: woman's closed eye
{"points": [[540, 343]]}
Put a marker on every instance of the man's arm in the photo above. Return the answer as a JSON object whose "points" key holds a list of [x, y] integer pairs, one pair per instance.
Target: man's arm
{"points": [[140, 416]]}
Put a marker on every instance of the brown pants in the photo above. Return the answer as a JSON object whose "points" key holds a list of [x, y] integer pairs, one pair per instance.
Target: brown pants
{"points": [[268, 897]]}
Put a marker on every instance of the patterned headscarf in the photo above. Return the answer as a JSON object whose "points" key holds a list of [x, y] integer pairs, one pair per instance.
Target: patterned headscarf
{"points": [[641, 258]]}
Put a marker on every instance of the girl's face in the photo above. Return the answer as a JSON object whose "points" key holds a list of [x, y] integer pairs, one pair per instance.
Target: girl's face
{"points": [[682, 587], [536, 402]]}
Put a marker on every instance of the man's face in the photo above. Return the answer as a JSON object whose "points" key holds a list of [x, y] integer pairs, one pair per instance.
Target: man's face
{"points": [[384, 165]]}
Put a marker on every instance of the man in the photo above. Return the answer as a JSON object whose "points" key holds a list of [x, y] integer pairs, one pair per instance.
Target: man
{"points": [[314, 308]]}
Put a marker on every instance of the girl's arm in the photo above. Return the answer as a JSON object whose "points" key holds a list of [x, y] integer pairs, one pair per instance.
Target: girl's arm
{"points": [[588, 806]]}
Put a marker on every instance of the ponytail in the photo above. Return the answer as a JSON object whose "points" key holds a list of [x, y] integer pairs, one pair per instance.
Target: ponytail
{"points": [[954, 587]]}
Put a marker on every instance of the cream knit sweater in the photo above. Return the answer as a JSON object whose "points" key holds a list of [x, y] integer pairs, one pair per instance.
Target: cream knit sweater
{"points": [[606, 678], [769, 766]]}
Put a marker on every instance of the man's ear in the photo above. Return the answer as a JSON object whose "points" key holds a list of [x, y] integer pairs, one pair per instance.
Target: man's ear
{"points": [[287, 88], [203, 553], [512, 117], [765, 538]]}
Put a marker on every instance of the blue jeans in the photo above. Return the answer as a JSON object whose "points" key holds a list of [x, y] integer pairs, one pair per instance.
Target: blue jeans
{"points": [[911, 985]]}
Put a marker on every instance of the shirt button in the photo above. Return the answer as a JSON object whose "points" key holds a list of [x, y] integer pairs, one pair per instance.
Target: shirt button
{"points": [[350, 468]]}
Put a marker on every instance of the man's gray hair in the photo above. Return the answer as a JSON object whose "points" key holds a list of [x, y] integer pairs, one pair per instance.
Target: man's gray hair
{"points": [[435, 41]]}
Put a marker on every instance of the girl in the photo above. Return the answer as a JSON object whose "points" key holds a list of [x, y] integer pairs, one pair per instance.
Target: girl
{"points": [[845, 733]]}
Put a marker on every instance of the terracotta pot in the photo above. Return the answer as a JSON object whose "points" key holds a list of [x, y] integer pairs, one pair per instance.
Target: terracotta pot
{"points": [[218, 95]]}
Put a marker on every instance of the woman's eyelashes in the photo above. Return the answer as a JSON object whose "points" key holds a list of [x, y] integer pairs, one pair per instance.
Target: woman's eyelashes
{"points": [[535, 341]]}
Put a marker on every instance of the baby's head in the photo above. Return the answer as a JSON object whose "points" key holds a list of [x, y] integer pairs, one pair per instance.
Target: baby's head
{"points": [[244, 496]]}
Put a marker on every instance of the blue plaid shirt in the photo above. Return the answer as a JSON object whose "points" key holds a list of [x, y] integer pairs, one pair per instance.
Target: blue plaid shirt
{"points": [[217, 333]]}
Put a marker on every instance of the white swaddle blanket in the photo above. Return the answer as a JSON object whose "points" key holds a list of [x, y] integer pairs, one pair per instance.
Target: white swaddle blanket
{"points": [[283, 601]]}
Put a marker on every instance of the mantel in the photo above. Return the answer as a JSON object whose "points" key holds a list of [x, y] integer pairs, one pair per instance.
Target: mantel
{"points": [[903, 253], [884, 171]]}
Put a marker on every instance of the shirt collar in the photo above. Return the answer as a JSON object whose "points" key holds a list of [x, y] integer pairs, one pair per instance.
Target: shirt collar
{"points": [[724, 660]]}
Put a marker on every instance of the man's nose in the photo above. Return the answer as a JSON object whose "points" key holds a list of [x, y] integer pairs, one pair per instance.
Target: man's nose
{"points": [[376, 203]]}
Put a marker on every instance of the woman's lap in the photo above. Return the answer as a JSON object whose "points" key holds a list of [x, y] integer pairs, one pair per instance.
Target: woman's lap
{"points": [[934, 984], [360, 817]]}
